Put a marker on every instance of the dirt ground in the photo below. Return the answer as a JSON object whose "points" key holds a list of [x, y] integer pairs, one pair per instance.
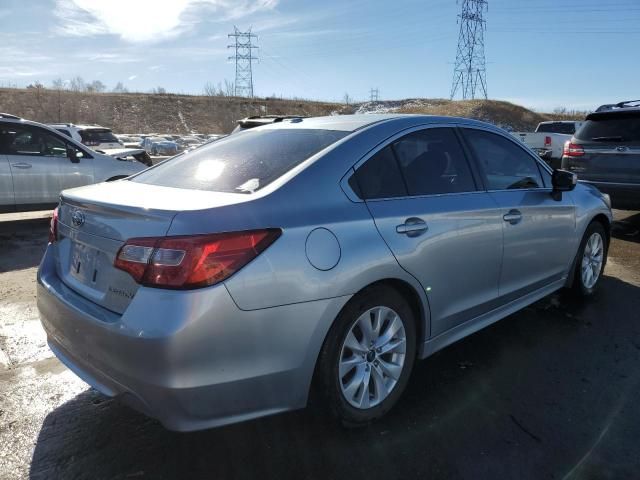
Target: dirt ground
{"points": [[550, 392]]}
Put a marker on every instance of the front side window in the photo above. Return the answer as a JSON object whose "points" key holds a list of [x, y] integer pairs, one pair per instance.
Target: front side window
{"points": [[433, 162], [29, 140], [505, 165], [243, 162]]}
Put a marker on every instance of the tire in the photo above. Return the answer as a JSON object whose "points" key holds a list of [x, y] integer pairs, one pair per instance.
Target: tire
{"points": [[590, 265], [353, 405]]}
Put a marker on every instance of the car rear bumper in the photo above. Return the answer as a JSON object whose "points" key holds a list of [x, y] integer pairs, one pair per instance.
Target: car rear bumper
{"points": [[191, 359], [623, 195]]}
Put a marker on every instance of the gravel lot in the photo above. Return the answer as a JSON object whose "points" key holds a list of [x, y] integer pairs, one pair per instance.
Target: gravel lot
{"points": [[550, 392]]}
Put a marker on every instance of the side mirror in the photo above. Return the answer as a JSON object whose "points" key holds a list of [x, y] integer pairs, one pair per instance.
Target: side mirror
{"points": [[74, 155], [562, 181]]}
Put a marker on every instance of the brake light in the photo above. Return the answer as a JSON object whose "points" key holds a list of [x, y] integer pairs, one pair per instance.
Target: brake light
{"points": [[53, 226], [188, 262], [547, 141], [572, 150]]}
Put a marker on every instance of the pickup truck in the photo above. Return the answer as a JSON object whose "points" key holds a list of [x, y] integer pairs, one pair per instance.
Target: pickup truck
{"points": [[549, 138]]}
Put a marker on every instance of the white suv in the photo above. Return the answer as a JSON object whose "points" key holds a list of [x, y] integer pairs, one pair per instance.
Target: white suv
{"points": [[93, 136], [38, 162]]}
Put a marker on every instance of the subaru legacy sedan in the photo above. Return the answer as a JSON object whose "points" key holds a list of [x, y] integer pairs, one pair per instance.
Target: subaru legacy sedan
{"points": [[320, 255]]}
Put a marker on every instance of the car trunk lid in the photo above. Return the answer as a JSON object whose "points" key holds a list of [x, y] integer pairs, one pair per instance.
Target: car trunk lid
{"points": [[94, 222], [615, 163]]}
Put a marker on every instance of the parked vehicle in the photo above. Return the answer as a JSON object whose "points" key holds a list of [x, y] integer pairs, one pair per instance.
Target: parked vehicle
{"points": [[93, 136], [129, 141], [185, 143], [37, 162], [606, 152], [214, 287], [549, 138], [160, 146], [259, 121]]}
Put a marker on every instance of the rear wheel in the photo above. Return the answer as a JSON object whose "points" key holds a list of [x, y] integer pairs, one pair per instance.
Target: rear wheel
{"points": [[591, 260], [368, 356]]}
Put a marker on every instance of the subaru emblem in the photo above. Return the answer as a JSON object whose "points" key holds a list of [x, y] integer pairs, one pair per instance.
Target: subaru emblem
{"points": [[622, 149], [77, 218]]}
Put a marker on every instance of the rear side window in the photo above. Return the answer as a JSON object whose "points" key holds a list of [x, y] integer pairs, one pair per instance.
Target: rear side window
{"points": [[433, 162], [95, 136], [565, 128], [30, 140], [379, 177], [243, 162], [505, 165], [611, 128]]}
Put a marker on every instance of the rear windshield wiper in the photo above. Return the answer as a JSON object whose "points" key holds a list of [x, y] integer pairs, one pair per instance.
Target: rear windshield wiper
{"points": [[608, 139]]}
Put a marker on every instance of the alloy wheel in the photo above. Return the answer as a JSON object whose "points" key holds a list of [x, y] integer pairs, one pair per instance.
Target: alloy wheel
{"points": [[592, 259], [372, 357]]}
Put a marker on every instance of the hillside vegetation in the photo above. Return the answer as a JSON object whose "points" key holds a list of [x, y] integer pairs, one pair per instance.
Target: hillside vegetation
{"points": [[181, 114]]}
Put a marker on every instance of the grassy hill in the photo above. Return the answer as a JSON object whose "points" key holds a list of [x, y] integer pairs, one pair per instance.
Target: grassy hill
{"points": [[181, 114]]}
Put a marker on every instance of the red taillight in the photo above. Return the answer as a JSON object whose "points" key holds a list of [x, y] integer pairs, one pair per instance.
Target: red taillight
{"points": [[194, 261], [547, 141], [572, 150], [53, 227]]}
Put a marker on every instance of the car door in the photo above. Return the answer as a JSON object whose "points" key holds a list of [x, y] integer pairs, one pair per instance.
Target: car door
{"points": [[34, 163], [539, 231], [7, 201], [442, 229]]}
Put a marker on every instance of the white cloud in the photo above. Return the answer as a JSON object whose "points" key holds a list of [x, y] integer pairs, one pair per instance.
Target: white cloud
{"points": [[145, 20], [132, 77]]}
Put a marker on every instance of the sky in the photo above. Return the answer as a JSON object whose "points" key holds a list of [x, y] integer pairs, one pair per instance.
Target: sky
{"points": [[542, 54]]}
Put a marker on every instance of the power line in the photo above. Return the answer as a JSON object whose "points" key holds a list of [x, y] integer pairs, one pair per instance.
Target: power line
{"points": [[374, 94], [244, 58], [470, 72]]}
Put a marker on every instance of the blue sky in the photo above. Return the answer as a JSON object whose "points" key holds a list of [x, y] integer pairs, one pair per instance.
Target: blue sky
{"points": [[540, 53]]}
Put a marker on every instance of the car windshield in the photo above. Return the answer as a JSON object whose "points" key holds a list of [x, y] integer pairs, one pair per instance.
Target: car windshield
{"points": [[614, 128], [566, 128], [241, 163], [101, 135]]}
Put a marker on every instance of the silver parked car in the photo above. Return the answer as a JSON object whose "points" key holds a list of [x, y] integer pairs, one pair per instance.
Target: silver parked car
{"points": [[159, 146], [37, 162], [214, 287]]}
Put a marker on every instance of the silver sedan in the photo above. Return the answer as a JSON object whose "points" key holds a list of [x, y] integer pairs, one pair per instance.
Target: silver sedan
{"points": [[218, 286]]}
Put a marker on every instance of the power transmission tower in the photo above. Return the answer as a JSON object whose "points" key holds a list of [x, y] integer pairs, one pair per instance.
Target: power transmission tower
{"points": [[470, 72], [374, 94], [243, 57]]}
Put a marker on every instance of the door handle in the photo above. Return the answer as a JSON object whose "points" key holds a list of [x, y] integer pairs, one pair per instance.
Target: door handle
{"points": [[412, 227], [21, 165], [513, 217]]}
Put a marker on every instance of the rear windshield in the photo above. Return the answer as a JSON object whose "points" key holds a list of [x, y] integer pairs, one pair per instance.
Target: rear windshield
{"points": [[566, 128], [98, 135], [618, 128], [241, 163]]}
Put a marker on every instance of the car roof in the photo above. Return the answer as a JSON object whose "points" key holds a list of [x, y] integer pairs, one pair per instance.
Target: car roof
{"points": [[614, 112], [351, 123]]}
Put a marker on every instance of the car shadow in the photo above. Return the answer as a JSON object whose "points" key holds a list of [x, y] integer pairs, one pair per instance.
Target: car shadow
{"points": [[548, 392], [22, 243], [627, 229]]}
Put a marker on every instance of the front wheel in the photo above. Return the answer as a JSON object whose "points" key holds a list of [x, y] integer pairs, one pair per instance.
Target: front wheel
{"points": [[368, 356], [591, 260]]}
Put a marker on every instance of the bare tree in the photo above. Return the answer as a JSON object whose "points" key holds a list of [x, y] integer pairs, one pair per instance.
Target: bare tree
{"points": [[96, 87], [347, 99], [120, 88], [159, 90], [77, 84]]}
